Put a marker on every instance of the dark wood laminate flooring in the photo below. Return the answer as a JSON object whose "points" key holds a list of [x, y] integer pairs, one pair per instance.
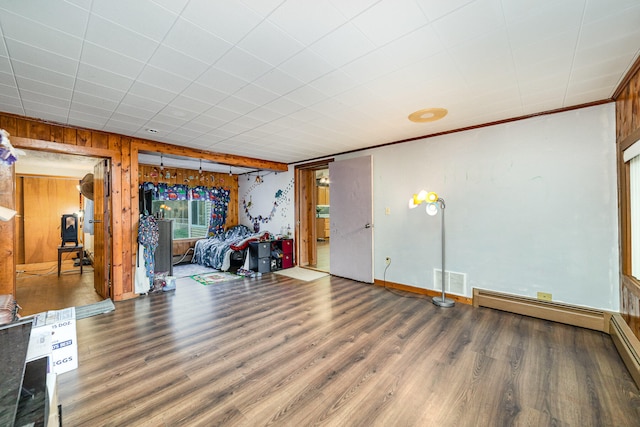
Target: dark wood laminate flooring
{"points": [[277, 351]]}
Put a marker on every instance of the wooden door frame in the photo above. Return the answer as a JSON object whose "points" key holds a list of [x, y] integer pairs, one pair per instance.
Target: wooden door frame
{"points": [[305, 229], [113, 156]]}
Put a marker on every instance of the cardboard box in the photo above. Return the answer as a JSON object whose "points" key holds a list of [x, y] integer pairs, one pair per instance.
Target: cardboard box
{"points": [[53, 334]]}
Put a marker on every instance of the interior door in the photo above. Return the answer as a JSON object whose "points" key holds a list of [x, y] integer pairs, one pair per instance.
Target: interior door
{"points": [[351, 219], [102, 236], [306, 232]]}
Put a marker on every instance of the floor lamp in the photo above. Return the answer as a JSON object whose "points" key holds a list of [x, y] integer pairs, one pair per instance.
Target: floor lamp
{"points": [[433, 202]]}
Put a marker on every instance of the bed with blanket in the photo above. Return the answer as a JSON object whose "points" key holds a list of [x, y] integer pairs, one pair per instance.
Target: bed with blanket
{"points": [[217, 251]]}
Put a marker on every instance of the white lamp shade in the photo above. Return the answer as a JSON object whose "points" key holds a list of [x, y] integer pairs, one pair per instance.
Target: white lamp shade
{"points": [[432, 209]]}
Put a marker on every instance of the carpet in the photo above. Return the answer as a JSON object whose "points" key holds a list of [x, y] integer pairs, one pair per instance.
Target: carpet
{"points": [[186, 270], [94, 309], [215, 278], [302, 274]]}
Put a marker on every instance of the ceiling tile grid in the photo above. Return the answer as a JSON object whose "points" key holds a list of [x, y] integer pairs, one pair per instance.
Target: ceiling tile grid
{"points": [[290, 80]]}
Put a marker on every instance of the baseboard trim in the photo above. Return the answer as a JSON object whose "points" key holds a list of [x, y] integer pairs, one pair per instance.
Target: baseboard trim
{"points": [[557, 312], [422, 291], [627, 344]]}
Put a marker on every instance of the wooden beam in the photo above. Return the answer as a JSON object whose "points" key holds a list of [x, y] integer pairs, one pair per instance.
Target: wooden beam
{"points": [[56, 147], [221, 158]]}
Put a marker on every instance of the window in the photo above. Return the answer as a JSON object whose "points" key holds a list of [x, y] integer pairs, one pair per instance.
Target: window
{"points": [[190, 217]]}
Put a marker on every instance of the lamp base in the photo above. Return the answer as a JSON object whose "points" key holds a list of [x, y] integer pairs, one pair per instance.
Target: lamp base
{"points": [[443, 302]]}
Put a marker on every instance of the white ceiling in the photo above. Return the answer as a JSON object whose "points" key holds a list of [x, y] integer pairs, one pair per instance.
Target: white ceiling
{"points": [[300, 79]]}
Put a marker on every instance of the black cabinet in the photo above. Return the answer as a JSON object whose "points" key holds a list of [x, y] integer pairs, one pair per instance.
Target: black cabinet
{"points": [[164, 251]]}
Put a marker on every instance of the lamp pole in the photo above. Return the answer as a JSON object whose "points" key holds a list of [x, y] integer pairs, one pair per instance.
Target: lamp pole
{"points": [[442, 301]]}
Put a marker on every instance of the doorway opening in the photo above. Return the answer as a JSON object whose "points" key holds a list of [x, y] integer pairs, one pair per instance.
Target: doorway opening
{"points": [[48, 187], [313, 212]]}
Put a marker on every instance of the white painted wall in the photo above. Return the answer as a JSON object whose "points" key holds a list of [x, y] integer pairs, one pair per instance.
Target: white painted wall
{"points": [[531, 206], [263, 196]]}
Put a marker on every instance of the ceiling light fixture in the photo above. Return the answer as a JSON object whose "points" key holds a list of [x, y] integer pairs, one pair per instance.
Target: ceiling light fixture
{"points": [[152, 131], [428, 115]]}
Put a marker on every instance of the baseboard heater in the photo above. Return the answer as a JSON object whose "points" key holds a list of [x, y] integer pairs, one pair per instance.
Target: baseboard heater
{"points": [[562, 313], [628, 345], [626, 342]]}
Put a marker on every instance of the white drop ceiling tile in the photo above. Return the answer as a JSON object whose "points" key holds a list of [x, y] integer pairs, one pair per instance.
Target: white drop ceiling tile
{"points": [[278, 82], [203, 124], [185, 134], [263, 114], [220, 80], [193, 41], [435, 9], [619, 28], [538, 27], [606, 66], [165, 123], [28, 32], [104, 77], [399, 16], [236, 105], [583, 97], [598, 10], [9, 91], [97, 90], [283, 106], [55, 14], [176, 117], [413, 47], [352, 8], [306, 95], [133, 111], [175, 62], [11, 97], [163, 80], [270, 43], [229, 20], [306, 66], [334, 83], [95, 101], [242, 64], [100, 57], [469, 21], [307, 20], [143, 103], [43, 108], [342, 45], [203, 94], [220, 113], [606, 83], [186, 104], [174, 6], [28, 71], [90, 109], [84, 4], [87, 120], [141, 16], [46, 114], [122, 127], [255, 94], [233, 128], [114, 37], [44, 88], [370, 66], [129, 120], [41, 58]]}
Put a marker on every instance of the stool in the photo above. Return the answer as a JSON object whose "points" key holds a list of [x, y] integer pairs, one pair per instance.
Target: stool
{"points": [[77, 248]]}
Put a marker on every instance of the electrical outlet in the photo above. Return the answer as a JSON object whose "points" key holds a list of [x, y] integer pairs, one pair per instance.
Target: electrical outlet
{"points": [[544, 296], [387, 260]]}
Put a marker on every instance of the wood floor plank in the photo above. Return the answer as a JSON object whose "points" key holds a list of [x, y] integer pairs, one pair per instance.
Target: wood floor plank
{"points": [[334, 352]]}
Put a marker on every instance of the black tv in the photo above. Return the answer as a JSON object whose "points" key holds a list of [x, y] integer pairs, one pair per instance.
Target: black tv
{"points": [[14, 342]]}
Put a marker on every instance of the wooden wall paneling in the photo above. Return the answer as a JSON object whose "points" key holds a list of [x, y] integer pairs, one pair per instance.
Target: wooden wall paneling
{"points": [[10, 124], [45, 201], [100, 140], [69, 135], [627, 99], [7, 232], [83, 137], [134, 205]]}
